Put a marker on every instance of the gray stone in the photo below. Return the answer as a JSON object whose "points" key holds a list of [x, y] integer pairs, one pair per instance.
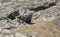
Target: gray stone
{"points": [[57, 22], [6, 33], [8, 7], [29, 10], [9, 33], [8, 24], [51, 13]]}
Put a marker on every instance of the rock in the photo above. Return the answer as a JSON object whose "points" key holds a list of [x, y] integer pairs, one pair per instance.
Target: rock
{"points": [[9, 33], [20, 35], [17, 4], [43, 13], [5, 24], [13, 15], [57, 22], [9, 24], [26, 18], [6, 33], [51, 13]]}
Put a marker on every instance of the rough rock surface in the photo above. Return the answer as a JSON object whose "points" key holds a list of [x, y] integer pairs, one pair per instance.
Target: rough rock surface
{"points": [[9, 33], [31, 18]]}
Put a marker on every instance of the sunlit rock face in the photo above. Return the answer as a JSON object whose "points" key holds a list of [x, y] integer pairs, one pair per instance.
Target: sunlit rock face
{"points": [[27, 10], [52, 13], [41, 16], [9, 33], [57, 22]]}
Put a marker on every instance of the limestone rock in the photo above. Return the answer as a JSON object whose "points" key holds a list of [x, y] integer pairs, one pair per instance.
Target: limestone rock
{"points": [[9, 33], [57, 22], [51, 13], [42, 14]]}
